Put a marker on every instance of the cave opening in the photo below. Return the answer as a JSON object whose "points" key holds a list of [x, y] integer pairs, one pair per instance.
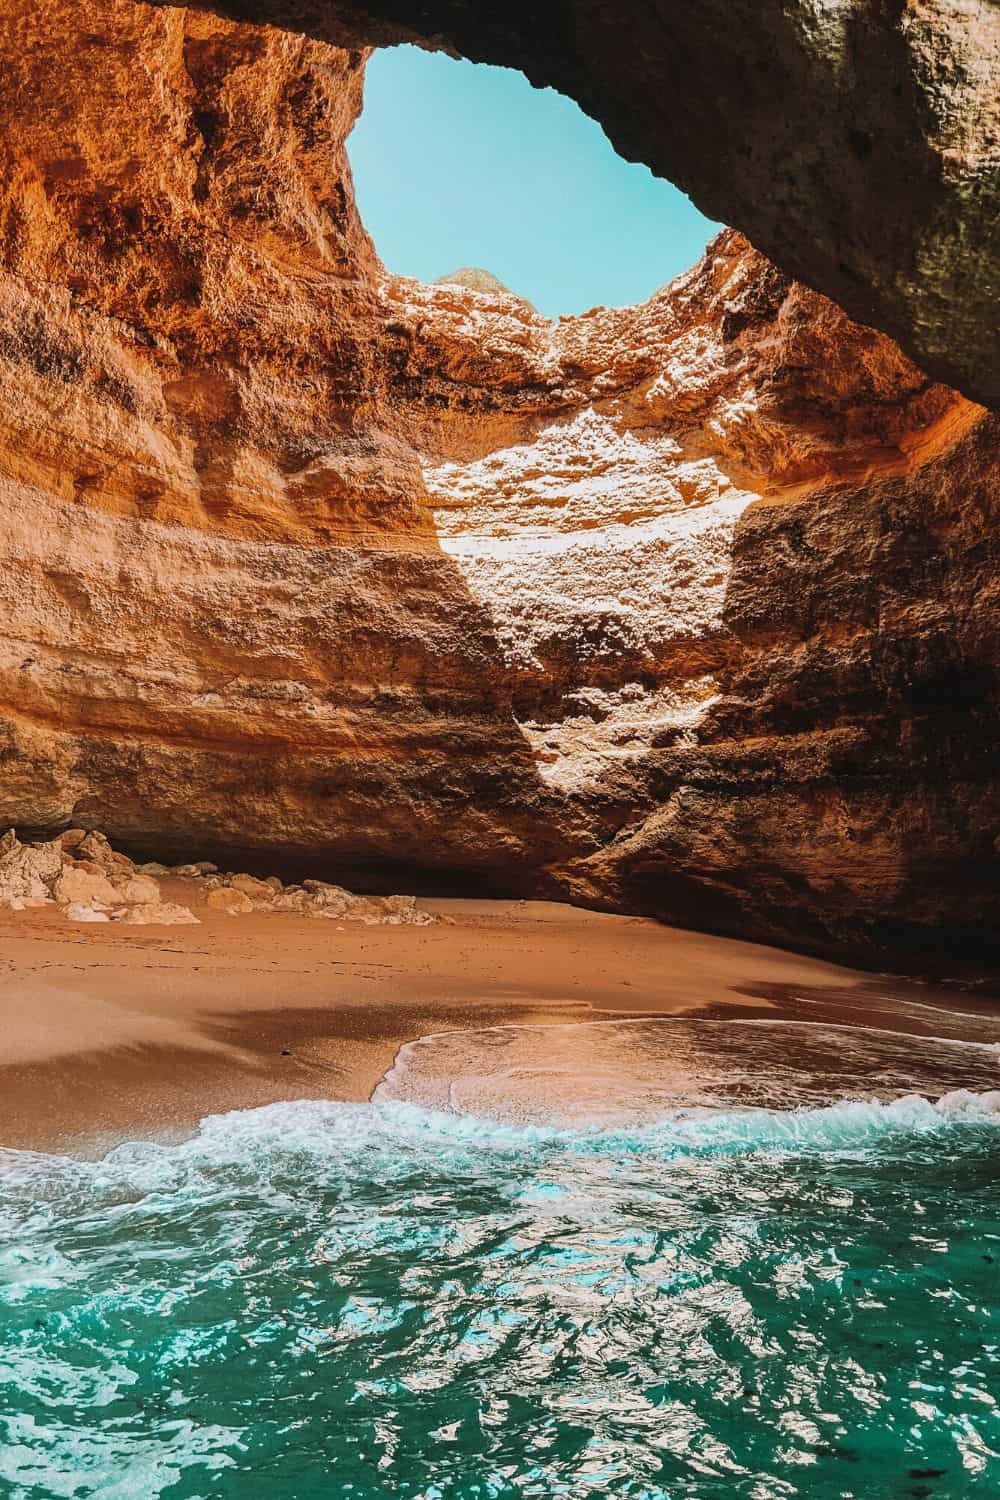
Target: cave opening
{"points": [[463, 165]]}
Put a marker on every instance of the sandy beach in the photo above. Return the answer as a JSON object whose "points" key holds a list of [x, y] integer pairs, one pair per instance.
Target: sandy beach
{"points": [[107, 1032]]}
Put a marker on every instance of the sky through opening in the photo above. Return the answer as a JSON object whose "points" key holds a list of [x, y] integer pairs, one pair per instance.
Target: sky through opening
{"points": [[457, 164]]}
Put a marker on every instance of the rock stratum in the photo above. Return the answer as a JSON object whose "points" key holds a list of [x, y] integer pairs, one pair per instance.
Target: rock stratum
{"points": [[689, 609]]}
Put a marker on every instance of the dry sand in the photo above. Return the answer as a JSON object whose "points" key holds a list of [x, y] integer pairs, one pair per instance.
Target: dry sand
{"points": [[109, 1032]]}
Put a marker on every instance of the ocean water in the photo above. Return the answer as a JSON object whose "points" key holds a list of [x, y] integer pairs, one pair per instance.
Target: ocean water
{"points": [[657, 1297]]}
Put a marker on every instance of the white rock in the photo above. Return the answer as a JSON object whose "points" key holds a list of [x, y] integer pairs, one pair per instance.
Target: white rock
{"points": [[294, 900], [27, 870], [334, 897], [78, 911], [372, 911], [46, 859]]}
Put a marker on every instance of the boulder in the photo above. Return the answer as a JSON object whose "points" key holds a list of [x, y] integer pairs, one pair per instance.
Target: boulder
{"points": [[27, 871], [157, 914], [257, 890], [294, 898], [138, 890], [372, 911], [45, 859], [95, 847], [334, 898], [80, 911], [236, 903], [82, 887], [153, 867]]}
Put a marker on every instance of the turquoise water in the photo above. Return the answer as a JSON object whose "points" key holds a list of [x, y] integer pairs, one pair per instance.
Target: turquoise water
{"points": [[325, 1300]]}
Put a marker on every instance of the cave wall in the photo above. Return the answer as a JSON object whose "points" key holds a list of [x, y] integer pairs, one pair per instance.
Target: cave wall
{"points": [[856, 142], [689, 608]]}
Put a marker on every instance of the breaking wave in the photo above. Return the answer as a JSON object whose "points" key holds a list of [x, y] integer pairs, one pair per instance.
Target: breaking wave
{"points": [[389, 1299]]}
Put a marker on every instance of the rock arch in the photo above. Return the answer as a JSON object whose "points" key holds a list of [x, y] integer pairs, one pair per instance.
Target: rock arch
{"points": [[855, 142]]}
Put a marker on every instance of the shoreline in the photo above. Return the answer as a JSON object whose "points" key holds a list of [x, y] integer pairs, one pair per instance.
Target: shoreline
{"points": [[110, 1033]]}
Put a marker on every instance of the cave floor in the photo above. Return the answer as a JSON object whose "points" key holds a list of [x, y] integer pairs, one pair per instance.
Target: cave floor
{"points": [[108, 1033]]}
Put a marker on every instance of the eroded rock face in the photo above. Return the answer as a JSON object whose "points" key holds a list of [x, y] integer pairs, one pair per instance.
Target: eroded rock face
{"points": [[856, 142], [689, 608]]}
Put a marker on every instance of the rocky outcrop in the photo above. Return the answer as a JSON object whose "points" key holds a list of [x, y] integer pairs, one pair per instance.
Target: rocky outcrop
{"points": [[856, 142], [688, 609], [79, 872]]}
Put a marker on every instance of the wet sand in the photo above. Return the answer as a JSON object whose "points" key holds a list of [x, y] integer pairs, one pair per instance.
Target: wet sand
{"points": [[108, 1032]]}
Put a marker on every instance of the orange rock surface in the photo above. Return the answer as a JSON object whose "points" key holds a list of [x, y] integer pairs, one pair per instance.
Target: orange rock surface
{"points": [[689, 608]]}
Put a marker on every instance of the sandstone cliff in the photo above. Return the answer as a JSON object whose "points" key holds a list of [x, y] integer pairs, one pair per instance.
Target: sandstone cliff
{"points": [[689, 608]]}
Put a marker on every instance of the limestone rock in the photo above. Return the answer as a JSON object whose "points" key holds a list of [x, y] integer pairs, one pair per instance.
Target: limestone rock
{"points": [[477, 280], [27, 872], [79, 911], [294, 899], [93, 846], [257, 890], [225, 899], [157, 914], [138, 890], [332, 897], [47, 860], [82, 888], [334, 902]]}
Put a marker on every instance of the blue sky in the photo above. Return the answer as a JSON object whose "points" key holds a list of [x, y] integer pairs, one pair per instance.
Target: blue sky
{"points": [[457, 164]]}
